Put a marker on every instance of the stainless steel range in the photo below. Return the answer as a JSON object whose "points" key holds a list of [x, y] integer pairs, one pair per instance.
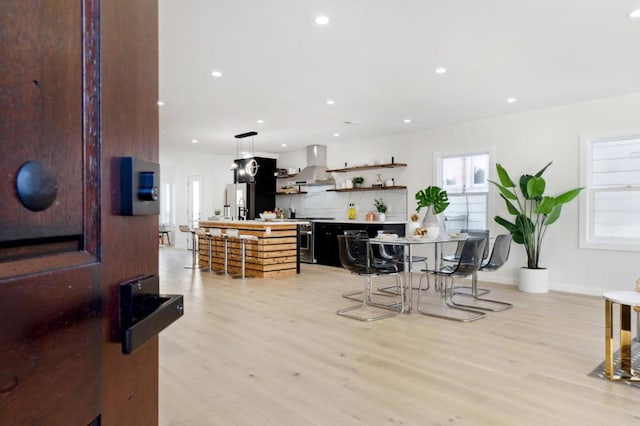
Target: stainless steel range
{"points": [[307, 254]]}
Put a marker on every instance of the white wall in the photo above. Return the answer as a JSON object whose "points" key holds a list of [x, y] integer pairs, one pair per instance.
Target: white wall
{"points": [[215, 172], [522, 142]]}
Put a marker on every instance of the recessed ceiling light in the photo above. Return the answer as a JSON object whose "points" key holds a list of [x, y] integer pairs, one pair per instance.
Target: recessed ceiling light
{"points": [[441, 70], [635, 14], [260, 121], [336, 135], [216, 73], [321, 20], [330, 102], [511, 100], [407, 120], [194, 140], [160, 103], [283, 145]]}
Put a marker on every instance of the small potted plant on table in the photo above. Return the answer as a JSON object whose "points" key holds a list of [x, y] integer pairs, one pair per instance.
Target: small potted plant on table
{"points": [[357, 181], [436, 201]]}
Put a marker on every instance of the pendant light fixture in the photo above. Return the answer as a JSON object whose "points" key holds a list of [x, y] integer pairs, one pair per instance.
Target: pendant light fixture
{"points": [[251, 168]]}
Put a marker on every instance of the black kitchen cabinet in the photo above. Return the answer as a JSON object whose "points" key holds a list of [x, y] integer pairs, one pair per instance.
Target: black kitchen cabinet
{"points": [[325, 235]]}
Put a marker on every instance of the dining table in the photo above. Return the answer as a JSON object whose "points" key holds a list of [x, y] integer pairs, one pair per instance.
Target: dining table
{"points": [[408, 243]]}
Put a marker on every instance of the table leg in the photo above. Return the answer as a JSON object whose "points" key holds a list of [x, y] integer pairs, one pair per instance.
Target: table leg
{"points": [[608, 339], [625, 339], [409, 280]]}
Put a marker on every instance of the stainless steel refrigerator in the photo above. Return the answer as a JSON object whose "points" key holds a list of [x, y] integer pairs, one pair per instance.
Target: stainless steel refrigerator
{"points": [[240, 198]]}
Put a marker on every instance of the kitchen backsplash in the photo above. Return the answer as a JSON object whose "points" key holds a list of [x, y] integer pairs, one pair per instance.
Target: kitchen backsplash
{"points": [[318, 202]]}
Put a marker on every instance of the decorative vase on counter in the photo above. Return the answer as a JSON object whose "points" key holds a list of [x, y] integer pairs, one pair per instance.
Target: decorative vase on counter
{"points": [[432, 222], [382, 217], [412, 227]]}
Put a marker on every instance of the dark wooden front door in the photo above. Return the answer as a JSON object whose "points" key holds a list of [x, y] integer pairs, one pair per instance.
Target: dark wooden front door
{"points": [[78, 88]]}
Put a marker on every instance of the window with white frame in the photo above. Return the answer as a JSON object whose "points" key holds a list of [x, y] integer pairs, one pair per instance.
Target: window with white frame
{"points": [[610, 207], [465, 178]]}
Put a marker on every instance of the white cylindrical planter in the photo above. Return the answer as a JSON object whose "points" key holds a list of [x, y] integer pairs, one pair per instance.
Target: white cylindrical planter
{"points": [[534, 280], [381, 217]]}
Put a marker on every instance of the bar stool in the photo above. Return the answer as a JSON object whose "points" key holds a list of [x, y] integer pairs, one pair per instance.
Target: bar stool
{"points": [[185, 229], [215, 234], [201, 233], [234, 234]]}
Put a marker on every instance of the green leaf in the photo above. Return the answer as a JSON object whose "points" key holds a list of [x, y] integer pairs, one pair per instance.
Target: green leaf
{"points": [[508, 225], [510, 207], [525, 225], [505, 180], [432, 196], [543, 169], [506, 192], [546, 206], [524, 180], [535, 188], [554, 215], [568, 196]]}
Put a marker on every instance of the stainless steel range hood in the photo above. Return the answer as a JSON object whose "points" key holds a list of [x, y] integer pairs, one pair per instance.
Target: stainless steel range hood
{"points": [[316, 171]]}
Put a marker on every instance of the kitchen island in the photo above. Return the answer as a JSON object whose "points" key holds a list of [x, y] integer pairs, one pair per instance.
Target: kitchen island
{"points": [[274, 253]]}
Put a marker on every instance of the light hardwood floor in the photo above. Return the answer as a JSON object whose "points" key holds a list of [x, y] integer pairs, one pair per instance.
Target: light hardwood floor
{"points": [[273, 351]]}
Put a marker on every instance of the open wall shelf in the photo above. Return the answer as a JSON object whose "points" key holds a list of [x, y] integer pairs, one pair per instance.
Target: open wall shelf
{"points": [[290, 193], [367, 188], [368, 167]]}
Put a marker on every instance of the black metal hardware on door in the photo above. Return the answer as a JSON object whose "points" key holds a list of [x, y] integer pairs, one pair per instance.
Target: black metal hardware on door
{"points": [[144, 312], [36, 185], [139, 187]]}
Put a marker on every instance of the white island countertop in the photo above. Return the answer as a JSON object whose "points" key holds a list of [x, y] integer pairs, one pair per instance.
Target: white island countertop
{"points": [[213, 223], [367, 222]]}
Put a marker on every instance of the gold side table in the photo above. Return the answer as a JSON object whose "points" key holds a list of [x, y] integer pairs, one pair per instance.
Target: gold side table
{"points": [[626, 300]]}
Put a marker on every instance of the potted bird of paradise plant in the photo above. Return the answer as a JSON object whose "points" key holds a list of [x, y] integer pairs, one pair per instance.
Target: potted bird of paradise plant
{"points": [[532, 213]]}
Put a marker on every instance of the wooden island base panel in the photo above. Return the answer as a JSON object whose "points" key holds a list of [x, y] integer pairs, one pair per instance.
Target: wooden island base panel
{"points": [[273, 254]]}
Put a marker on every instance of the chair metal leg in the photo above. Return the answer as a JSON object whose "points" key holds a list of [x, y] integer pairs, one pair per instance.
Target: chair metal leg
{"points": [[468, 290], [367, 302], [445, 295], [357, 296], [483, 304]]}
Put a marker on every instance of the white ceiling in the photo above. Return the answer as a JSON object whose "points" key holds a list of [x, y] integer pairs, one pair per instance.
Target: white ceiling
{"points": [[376, 59]]}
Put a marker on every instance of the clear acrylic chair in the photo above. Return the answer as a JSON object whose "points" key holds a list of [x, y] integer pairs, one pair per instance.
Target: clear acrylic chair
{"points": [[356, 257], [475, 233], [468, 263], [499, 256]]}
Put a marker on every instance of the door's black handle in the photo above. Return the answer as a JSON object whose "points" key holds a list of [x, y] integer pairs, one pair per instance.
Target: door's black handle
{"points": [[144, 313]]}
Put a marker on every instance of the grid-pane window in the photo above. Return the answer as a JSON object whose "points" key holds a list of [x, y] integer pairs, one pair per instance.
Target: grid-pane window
{"points": [[610, 211], [465, 178]]}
